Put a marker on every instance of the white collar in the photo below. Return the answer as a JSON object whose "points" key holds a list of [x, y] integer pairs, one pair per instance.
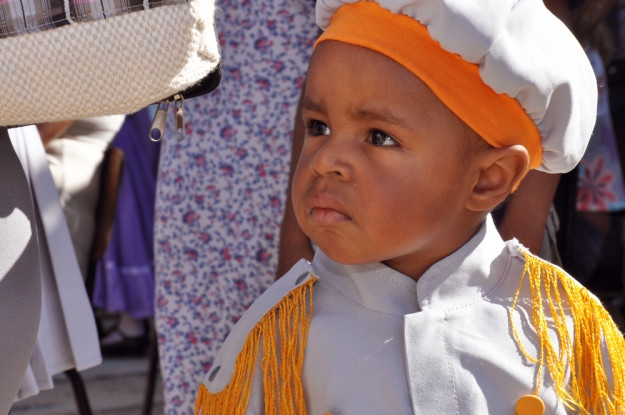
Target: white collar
{"points": [[463, 277], [466, 275]]}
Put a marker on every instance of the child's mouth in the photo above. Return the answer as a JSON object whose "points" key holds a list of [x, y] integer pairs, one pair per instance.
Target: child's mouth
{"points": [[328, 216]]}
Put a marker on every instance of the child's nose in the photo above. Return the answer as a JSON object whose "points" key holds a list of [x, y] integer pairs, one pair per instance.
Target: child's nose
{"points": [[333, 157]]}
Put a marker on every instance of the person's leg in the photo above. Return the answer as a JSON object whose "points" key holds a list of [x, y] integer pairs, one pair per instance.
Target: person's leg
{"points": [[20, 280], [75, 161]]}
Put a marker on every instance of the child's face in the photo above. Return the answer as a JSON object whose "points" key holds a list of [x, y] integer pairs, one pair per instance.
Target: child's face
{"points": [[386, 166]]}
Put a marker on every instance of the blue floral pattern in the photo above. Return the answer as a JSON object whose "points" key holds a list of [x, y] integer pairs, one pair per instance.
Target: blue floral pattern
{"points": [[221, 192]]}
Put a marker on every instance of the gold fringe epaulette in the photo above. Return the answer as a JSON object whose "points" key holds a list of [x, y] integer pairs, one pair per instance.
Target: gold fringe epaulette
{"points": [[283, 331], [588, 389]]}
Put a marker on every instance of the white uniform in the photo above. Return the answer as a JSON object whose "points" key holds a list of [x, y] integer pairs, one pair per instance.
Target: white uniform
{"points": [[382, 343]]}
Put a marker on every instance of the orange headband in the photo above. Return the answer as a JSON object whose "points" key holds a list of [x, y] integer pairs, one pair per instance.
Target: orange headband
{"points": [[497, 118]]}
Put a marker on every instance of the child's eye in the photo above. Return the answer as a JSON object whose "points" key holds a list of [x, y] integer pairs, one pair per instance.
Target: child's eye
{"points": [[316, 127], [381, 139]]}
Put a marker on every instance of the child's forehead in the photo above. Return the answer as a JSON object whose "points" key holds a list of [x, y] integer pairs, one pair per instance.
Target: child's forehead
{"points": [[373, 83], [332, 52]]}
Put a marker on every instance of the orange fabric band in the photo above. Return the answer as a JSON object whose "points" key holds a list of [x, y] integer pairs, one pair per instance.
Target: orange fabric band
{"points": [[497, 118]]}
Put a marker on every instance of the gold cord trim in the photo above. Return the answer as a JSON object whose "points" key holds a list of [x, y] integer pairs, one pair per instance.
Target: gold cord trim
{"points": [[588, 389], [284, 332]]}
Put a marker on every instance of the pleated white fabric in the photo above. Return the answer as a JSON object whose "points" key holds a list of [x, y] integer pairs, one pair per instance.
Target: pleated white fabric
{"points": [[67, 335]]}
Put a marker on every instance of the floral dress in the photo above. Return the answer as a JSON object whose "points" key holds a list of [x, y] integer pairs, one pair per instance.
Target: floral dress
{"points": [[600, 179], [221, 192]]}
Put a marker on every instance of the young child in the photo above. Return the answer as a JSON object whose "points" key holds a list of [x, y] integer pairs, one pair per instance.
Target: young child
{"points": [[422, 116]]}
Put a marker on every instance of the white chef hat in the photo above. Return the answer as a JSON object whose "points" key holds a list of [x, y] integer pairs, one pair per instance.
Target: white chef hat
{"points": [[508, 68]]}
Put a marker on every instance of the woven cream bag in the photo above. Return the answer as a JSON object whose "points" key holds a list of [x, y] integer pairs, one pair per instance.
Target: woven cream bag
{"points": [[112, 65]]}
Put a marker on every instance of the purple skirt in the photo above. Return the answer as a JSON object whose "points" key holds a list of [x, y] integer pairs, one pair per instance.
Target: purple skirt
{"points": [[124, 279]]}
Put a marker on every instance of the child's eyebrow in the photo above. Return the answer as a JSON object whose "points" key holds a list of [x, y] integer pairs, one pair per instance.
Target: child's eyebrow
{"points": [[311, 105], [379, 115]]}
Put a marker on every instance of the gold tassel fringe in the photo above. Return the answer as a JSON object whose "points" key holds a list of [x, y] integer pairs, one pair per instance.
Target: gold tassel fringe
{"points": [[283, 331], [588, 390]]}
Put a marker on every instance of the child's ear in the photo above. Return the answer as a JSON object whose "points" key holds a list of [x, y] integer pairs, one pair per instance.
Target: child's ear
{"points": [[500, 171]]}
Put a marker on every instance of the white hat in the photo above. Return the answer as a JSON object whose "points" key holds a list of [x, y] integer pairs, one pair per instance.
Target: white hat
{"points": [[522, 51]]}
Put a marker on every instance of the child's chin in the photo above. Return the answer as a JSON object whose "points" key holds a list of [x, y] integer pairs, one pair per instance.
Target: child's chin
{"points": [[344, 255]]}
